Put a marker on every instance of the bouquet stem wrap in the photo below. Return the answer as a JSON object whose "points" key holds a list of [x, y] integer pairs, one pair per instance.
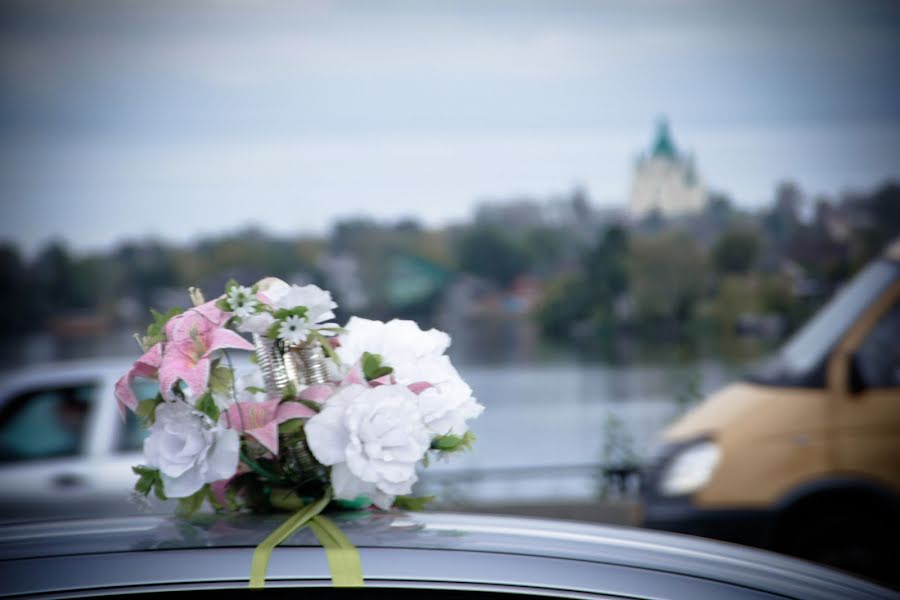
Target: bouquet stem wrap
{"points": [[343, 557]]}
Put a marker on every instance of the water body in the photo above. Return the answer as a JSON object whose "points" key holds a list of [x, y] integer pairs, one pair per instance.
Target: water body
{"points": [[556, 416]]}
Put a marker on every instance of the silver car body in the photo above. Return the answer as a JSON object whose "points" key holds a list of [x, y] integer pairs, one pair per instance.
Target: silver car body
{"points": [[402, 551]]}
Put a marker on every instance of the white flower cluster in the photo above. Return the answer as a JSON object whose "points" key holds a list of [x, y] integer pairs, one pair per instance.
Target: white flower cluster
{"points": [[373, 437], [258, 314]]}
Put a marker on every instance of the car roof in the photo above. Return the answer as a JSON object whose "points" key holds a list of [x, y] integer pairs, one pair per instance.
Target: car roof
{"points": [[479, 537], [64, 371]]}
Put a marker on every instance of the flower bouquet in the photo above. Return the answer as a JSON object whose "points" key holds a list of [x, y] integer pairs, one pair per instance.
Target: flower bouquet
{"points": [[327, 416]]}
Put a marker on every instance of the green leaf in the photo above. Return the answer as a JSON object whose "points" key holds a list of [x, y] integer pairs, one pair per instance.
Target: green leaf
{"points": [[148, 480], [413, 503], [310, 404], [372, 366], [231, 283], [146, 410], [272, 331], [290, 391], [208, 407], [223, 305], [231, 497], [453, 443], [221, 379], [156, 331], [256, 390], [191, 504], [292, 426], [284, 313], [213, 501]]}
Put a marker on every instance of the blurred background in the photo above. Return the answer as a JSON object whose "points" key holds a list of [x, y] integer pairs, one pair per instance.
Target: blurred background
{"points": [[614, 208]]}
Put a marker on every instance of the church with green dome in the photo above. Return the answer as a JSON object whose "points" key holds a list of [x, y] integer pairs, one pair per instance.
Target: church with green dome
{"points": [[666, 181]]}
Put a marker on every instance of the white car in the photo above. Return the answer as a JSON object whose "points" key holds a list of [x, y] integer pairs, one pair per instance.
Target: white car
{"points": [[64, 449]]}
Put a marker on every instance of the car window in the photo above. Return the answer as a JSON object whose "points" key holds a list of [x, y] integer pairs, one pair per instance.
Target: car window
{"points": [[133, 435], [878, 358], [46, 423], [814, 341]]}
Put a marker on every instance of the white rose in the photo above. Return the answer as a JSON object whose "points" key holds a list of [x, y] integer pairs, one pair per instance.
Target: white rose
{"points": [[398, 342], [448, 403], [188, 450], [372, 438]]}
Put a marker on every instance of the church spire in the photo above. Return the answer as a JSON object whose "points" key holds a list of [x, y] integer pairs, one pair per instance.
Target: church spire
{"points": [[663, 147]]}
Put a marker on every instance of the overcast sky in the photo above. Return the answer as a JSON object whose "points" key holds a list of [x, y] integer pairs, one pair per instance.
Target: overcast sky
{"points": [[173, 119]]}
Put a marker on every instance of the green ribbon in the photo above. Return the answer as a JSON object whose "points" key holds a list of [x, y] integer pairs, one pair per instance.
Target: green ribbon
{"points": [[343, 557]]}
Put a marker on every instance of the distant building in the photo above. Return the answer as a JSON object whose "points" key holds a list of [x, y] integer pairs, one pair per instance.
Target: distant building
{"points": [[665, 181]]}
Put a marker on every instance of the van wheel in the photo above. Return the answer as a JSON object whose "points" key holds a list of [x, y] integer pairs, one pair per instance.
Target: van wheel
{"points": [[860, 537]]}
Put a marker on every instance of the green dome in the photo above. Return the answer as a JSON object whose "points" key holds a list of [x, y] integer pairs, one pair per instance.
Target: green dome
{"points": [[664, 147]]}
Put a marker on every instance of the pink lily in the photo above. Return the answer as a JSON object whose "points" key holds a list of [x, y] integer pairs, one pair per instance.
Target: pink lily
{"points": [[146, 366], [192, 337], [261, 419]]}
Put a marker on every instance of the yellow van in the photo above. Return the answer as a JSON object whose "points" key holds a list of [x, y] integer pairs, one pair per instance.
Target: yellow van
{"points": [[802, 457]]}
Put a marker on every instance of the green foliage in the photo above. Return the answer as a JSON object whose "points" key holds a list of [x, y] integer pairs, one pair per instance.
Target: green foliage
{"points": [[488, 252], [208, 407], [292, 426], [191, 504], [148, 481], [221, 379], [289, 392], [590, 296], [156, 331], [668, 276], [283, 313], [736, 251], [566, 301], [146, 410], [412, 503], [453, 443], [373, 367]]}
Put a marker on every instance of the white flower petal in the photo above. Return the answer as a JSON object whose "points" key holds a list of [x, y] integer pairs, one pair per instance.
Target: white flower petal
{"points": [[223, 457], [184, 485]]}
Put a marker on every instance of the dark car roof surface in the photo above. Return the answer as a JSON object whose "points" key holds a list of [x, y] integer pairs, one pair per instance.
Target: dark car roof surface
{"points": [[438, 550]]}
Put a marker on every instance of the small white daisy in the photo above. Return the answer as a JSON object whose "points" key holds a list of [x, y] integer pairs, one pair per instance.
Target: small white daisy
{"points": [[294, 330], [241, 301]]}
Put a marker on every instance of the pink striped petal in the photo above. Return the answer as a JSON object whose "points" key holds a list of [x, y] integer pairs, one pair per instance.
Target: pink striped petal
{"points": [[146, 366], [354, 376], [176, 366], [293, 410], [244, 416], [419, 387], [383, 380], [225, 338], [267, 435], [319, 393]]}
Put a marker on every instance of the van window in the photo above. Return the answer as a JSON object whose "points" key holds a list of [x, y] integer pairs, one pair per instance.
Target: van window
{"points": [[805, 353], [878, 358], [46, 423]]}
